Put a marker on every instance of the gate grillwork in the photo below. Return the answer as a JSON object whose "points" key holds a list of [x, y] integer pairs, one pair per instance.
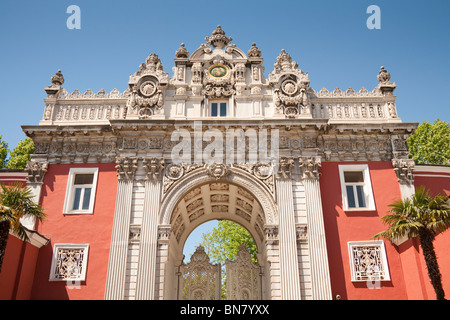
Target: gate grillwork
{"points": [[200, 279], [243, 277]]}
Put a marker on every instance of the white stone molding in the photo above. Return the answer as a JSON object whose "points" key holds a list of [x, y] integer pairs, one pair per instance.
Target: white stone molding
{"points": [[290, 280]]}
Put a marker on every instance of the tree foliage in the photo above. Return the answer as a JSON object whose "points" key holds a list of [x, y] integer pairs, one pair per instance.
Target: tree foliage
{"points": [[223, 243], [15, 203], [3, 152], [430, 143], [21, 154]]}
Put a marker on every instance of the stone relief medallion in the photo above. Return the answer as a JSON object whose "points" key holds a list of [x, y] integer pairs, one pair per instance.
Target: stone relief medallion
{"points": [[262, 170], [218, 71], [217, 171], [174, 171], [147, 89], [289, 87]]}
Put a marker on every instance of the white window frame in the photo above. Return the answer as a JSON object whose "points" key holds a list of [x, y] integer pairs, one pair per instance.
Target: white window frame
{"points": [[367, 187], [70, 191], [81, 276], [218, 108], [385, 275]]}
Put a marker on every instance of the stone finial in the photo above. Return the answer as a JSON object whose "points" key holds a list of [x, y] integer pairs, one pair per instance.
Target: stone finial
{"points": [[254, 51], [57, 81], [182, 52], [58, 78], [385, 86], [383, 75], [218, 38]]}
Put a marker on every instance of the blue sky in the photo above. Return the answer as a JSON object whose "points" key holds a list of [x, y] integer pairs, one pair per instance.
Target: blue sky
{"points": [[328, 39]]}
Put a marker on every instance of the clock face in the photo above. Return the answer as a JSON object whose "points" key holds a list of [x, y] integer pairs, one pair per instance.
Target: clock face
{"points": [[218, 71]]}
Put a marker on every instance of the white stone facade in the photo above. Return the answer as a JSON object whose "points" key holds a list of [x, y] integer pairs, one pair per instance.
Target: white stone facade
{"points": [[159, 202]]}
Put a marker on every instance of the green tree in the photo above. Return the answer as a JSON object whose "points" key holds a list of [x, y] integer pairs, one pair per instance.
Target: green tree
{"points": [[420, 216], [223, 243], [15, 202], [3, 152], [21, 154], [430, 143]]}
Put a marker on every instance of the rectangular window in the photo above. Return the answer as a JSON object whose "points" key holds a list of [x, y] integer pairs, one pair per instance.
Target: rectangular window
{"points": [[356, 187], [80, 191], [218, 109], [368, 261]]}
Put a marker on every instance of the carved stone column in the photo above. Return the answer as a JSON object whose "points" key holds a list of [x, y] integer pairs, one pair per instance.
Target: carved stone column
{"points": [[290, 279], [146, 273], [36, 171], [115, 282], [320, 273]]}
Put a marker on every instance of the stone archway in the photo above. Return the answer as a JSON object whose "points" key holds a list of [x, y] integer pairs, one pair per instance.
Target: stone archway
{"points": [[198, 198]]}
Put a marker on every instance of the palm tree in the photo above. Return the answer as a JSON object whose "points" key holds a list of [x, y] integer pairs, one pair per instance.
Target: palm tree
{"points": [[420, 216], [15, 202]]}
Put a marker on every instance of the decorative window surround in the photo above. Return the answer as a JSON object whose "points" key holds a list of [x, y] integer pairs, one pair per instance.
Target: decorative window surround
{"points": [[69, 262], [362, 191], [73, 195], [368, 261]]}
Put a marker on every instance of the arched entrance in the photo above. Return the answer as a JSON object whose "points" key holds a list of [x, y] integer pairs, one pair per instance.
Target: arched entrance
{"points": [[199, 198]]}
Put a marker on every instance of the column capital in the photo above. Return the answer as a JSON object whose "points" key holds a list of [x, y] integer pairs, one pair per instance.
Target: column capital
{"points": [[271, 232], [164, 233], [126, 167], [153, 166], [310, 167], [285, 166], [36, 171], [403, 168]]}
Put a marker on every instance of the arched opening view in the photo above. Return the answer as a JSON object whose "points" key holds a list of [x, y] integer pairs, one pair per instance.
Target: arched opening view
{"points": [[220, 257], [231, 259]]}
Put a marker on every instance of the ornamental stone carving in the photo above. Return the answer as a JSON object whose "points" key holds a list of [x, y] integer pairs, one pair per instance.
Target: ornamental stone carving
{"points": [[126, 167], [385, 86], [309, 167], [285, 166], [57, 81], [153, 167], [403, 168], [147, 88], [290, 87], [218, 38], [218, 170], [36, 171]]}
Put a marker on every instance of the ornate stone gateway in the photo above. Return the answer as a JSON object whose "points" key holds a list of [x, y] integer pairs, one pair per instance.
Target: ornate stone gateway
{"points": [[243, 277], [201, 280]]}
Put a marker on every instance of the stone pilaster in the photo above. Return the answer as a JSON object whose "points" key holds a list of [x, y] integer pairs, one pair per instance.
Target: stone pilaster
{"points": [[146, 273], [320, 273], [115, 282], [36, 171], [290, 279]]}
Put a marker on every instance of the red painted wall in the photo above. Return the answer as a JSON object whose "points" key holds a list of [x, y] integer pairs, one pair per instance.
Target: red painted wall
{"points": [[437, 180], [16, 278], [342, 227], [93, 229]]}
